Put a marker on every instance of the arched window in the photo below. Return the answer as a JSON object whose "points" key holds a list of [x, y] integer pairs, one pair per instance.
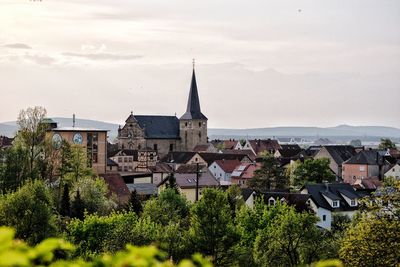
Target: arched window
{"points": [[271, 201]]}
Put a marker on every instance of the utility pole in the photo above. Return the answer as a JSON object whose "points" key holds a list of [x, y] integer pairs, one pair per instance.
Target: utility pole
{"points": [[197, 181]]}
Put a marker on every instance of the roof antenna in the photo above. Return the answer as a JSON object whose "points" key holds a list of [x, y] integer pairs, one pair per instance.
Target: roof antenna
{"points": [[73, 120]]}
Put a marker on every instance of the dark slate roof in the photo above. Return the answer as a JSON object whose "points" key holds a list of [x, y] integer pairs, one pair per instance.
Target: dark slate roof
{"points": [[180, 157], [289, 150], [246, 193], [193, 111], [211, 157], [333, 191], [299, 201], [311, 151], [110, 162], [188, 180], [259, 145], [161, 167], [159, 127], [368, 157], [340, 153]]}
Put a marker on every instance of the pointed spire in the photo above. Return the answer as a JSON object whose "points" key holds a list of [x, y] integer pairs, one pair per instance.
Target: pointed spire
{"points": [[193, 111]]}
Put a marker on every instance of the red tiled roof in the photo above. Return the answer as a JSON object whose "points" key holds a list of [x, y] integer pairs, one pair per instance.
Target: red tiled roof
{"points": [[259, 145], [227, 165], [117, 186], [245, 170]]}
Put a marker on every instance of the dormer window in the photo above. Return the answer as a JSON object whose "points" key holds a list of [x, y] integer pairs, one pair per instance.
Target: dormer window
{"points": [[271, 202], [353, 203], [335, 203]]}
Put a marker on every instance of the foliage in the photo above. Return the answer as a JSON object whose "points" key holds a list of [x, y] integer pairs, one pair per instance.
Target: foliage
{"points": [[235, 199], [65, 202], [374, 239], [270, 176], [211, 228], [167, 207], [77, 206], [386, 143], [56, 252], [172, 183], [76, 165], [29, 211], [14, 169], [134, 203], [288, 239], [31, 135], [93, 193], [312, 171]]}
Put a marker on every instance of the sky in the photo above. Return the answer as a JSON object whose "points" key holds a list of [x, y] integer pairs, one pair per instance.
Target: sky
{"points": [[259, 63]]}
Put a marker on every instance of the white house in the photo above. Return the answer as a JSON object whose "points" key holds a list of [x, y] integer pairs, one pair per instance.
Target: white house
{"points": [[222, 169], [326, 200], [394, 171]]}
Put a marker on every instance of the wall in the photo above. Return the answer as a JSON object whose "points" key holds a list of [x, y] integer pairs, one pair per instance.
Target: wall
{"points": [[192, 132], [323, 153], [351, 170]]}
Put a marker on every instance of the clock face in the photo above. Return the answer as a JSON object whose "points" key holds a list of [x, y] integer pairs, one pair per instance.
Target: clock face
{"points": [[77, 139], [57, 140]]}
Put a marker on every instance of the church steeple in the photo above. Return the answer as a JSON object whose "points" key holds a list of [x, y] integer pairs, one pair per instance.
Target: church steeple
{"points": [[193, 111]]}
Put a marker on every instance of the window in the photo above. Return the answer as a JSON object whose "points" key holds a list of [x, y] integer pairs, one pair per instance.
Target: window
{"points": [[125, 168], [353, 203], [324, 218], [215, 167], [171, 147], [155, 146], [130, 159], [119, 159], [199, 124], [125, 159], [185, 124], [271, 202], [335, 203], [362, 168]]}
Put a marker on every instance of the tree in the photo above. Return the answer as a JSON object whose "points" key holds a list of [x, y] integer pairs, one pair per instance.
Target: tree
{"points": [[374, 238], [235, 199], [167, 207], [386, 143], [270, 176], [65, 202], [287, 238], [14, 169], [134, 203], [172, 183], [31, 135], [29, 211], [211, 227], [356, 143], [312, 171], [77, 206], [93, 192]]}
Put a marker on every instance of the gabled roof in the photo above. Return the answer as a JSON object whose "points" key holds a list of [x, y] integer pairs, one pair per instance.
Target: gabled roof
{"points": [[159, 127], [193, 111], [246, 152], [289, 150], [126, 152], [161, 167], [117, 186], [246, 193], [180, 157], [259, 145], [332, 191], [227, 165], [211, 157], [367, 157], [205, 148], [245, 170], [110, 162], [340, 153], [299, 201]]}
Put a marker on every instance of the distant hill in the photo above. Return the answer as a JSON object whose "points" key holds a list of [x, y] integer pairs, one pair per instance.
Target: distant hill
{"points": [[341, 131]]}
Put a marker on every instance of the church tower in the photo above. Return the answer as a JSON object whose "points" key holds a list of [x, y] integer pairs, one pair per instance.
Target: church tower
{"points": [[193, 124]]}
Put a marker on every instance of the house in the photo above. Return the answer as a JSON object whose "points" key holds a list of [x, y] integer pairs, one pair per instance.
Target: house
{"points": [[209, 158], [394, 171], [205, 148], [186, 183], [5, 141], [246, 152], [185, 157], [248, 196], [160, 171], [337, 154], [299, 201], [117, 187], [258, 146], [288, 151], [130, 160], [327, 200], [243, 173], [222, 169], [367, 163]]}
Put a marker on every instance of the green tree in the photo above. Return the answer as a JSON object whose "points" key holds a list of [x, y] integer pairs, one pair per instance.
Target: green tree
{"points": [[65, 202], [29, 211], [172, 183], [77, 206], [373, 239], [212, 231], [386, 143], [235, 199], [312, 171], [94, 195], [134, 203], [14, 168], [270, 176], [31, 135], [286, 240], [167, 207]]}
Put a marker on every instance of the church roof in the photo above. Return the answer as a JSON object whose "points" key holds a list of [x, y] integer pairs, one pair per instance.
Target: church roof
{"points": [[193, 111], [159, 127]]}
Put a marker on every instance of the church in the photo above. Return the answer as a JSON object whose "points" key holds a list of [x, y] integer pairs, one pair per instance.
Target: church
{"points": [[166, 133]]}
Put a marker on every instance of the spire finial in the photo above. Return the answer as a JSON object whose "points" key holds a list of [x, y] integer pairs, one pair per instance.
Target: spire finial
{"points": [[131, 112], [193, 62]]}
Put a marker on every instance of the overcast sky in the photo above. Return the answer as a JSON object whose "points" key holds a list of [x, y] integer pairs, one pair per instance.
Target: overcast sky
{"points": [[259, 63]]}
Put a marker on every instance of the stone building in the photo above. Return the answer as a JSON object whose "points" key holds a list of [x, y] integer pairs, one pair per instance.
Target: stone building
{"points": [[166, 133]]}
